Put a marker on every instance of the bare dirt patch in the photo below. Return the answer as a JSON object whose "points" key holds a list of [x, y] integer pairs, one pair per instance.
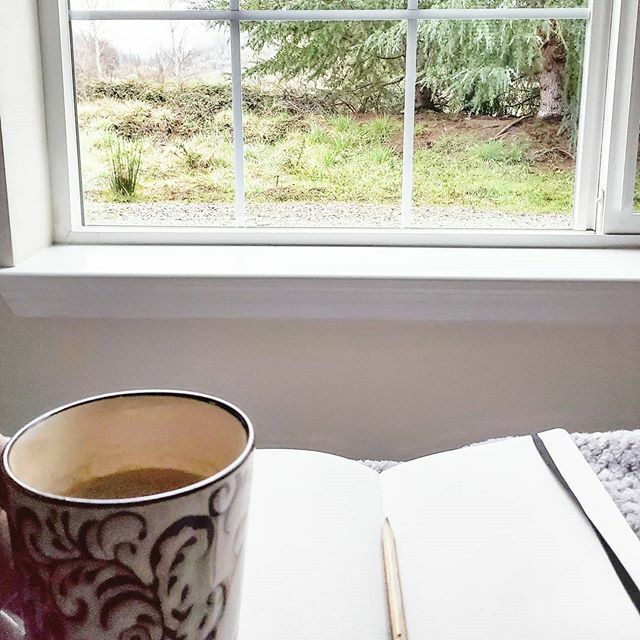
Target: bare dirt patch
{"points": [[549, 147]]}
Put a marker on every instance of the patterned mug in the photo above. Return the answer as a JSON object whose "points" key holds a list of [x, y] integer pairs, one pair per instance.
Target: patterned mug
{"points": [[165, 566]]}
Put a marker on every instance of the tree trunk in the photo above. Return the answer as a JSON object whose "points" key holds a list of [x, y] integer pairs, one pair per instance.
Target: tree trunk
{"points": [[551, 78], [97, 50], [424, 99]]}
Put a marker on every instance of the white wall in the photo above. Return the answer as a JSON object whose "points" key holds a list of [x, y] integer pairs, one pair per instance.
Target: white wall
{"points": [[379, 389], [26, 201]]}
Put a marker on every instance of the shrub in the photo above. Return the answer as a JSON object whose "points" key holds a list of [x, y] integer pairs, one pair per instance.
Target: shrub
{"points": [[197, 103], [122, 90], [198, 99], [133, 120], [125, 159]]}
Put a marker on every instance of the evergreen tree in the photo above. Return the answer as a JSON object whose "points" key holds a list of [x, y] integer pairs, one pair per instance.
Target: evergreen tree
{"points": [[510, 67]]}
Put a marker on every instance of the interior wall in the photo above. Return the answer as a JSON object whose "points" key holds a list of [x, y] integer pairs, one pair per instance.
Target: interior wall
{"points": [[362, 389], [376, 389], [25, 200]]}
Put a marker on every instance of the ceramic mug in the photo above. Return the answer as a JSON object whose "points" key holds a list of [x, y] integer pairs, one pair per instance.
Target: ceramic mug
{"points": [[154, 567]]}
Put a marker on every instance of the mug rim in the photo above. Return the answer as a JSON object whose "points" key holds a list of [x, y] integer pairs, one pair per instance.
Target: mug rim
{"points": [[230, 408]]}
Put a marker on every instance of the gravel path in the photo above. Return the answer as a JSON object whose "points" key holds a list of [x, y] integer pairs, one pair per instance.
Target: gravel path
{"points": [[336, 214]]}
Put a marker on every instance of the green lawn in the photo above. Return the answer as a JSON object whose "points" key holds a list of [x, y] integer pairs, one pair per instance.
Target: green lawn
{"points": [[313, 158]]}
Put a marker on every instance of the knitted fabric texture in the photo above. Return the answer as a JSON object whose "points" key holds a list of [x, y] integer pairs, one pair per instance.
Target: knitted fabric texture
{"points": [[614, 456]]}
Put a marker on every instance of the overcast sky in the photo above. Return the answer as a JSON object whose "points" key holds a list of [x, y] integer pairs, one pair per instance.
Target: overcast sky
{"points": [[128, 4], [144, 37]]}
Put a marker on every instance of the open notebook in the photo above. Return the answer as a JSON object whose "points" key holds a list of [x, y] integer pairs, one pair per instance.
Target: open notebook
{"points": [[490, 547]]}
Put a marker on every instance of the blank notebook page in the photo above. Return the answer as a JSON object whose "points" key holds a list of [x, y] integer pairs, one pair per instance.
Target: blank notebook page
{"points": [[314, 563], [492, 548]]}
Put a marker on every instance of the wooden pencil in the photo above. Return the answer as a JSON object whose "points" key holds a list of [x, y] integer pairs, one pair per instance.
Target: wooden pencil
{"points": [[397, 620]]}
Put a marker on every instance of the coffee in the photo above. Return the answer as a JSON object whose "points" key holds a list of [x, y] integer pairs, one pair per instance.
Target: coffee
{"points": [[133, 483]]}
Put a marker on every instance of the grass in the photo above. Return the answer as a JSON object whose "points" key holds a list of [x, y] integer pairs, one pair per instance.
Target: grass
{"points": [[461, 172], [294, 157], [125, 157]]}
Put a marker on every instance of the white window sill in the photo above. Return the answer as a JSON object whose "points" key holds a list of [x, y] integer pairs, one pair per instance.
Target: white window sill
{"points": [[437, 284]]}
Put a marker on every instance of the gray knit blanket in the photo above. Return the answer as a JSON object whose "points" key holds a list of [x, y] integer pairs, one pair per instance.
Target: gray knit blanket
{"points": [[614, 456]]}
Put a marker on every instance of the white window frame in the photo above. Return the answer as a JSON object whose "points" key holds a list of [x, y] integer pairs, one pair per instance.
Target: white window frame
{"points": [[591, 214], [622, 122]]}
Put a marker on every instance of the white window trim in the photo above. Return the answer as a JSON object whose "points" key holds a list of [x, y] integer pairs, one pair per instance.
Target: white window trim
{"points": [[25, 199], [585, 286], [68, 226], [591, 125], [622, 120]]}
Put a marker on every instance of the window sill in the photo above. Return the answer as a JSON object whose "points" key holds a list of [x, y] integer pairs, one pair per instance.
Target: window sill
{"points": [[435, 284]]}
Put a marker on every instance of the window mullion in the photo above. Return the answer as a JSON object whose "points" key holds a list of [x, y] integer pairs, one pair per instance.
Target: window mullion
{"points": [[462, 13], [409, 117], [236, 97]]}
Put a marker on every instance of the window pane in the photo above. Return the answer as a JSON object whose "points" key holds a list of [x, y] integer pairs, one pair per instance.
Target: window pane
{"points": [[323, 123], [319, 4], [139, 5], [496, 122], [154, 121], [500, 4]]}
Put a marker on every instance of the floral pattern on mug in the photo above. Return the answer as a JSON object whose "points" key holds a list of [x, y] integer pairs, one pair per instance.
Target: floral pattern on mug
{"points": [[122, 573]]}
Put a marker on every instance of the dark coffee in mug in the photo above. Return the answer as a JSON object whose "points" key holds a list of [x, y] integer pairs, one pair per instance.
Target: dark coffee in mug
{"points": [[132, 483]]}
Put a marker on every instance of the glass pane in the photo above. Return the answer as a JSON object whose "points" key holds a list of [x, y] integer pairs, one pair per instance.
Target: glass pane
{"points": [[318, 4], [154, 120], [500, 4], [139, 5], [496, 123], [323, 123]]}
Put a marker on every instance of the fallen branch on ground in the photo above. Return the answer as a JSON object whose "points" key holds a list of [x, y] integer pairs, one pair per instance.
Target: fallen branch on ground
{"points": [[558, 150], [504, 130]]}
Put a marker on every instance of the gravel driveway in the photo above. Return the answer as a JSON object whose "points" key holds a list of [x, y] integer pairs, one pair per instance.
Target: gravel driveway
{"points": [[338, 214]]}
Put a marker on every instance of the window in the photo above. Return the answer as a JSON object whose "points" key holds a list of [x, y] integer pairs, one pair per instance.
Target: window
{"points": [[622, 125], [367, 121]]}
